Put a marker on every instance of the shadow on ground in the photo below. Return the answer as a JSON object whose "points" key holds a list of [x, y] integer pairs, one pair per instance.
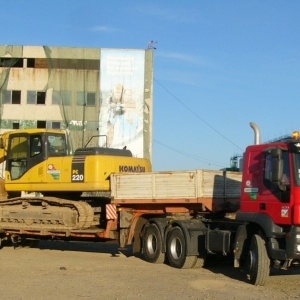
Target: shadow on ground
{"points": [[216, 264], [224, 265], [96, 247]]}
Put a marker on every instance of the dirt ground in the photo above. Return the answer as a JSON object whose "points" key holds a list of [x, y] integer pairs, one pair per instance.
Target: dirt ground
{"points": [[65, 270]]}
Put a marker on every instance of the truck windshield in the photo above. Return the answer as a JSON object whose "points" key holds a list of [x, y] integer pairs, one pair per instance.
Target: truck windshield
{"points": [[296, 160]]}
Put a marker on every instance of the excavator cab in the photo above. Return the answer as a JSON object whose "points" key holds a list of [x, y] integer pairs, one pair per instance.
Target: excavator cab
{"points": [[25, 149]]}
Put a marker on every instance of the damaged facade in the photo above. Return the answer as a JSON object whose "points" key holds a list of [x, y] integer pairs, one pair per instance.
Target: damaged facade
{"points": [[106, 93]]}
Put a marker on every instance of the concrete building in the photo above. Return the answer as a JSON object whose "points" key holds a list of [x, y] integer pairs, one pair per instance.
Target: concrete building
{"points": [[73, 89]]}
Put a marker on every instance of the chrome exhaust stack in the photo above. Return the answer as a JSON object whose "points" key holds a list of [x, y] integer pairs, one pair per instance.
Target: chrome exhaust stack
{"points": [[256, 132]]}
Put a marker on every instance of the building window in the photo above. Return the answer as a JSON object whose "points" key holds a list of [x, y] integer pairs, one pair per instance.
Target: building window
{"points": [[16, 125], [61, 97], [15, 97], [11, 97], [6, 97], [11, 62], [41, 63], [86, 98], [34, 97], [76, 64], [92, 126], [54, 124], [80, 98], [41, 98], [30, 62], [31, 97], [41, 124], [56, 98], [90, 99]]}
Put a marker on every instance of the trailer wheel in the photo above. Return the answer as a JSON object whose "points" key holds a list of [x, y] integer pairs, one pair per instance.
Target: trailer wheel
{"points": [[152, 245], [176, 250], [258, 262]]}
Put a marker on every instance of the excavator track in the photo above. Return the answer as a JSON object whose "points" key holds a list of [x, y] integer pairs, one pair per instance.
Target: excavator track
{"points": [[45, 213]]}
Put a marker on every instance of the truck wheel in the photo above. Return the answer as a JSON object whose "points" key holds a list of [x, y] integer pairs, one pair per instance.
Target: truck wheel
{"points": [[152, 244], [258, 262], [176, 250]]}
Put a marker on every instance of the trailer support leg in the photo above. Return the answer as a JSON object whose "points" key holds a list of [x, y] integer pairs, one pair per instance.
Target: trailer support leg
{"points": [[109, 226]]}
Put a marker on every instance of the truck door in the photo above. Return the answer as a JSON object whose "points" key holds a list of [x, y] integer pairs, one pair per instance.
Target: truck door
{"points": [[274, 196]]}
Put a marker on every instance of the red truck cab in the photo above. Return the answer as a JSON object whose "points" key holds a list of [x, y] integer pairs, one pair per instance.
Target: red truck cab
{"points": [[271, 181], [270, 206]]}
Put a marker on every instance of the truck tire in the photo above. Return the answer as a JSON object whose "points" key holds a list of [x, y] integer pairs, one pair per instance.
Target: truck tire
{"points": [[152, 245], [258, 262], [176, 250]]}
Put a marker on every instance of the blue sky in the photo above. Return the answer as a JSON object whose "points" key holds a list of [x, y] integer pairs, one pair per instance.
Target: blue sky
{"points": [[218, 65]]}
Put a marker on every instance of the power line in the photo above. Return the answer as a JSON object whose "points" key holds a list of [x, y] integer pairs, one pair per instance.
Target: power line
{"points": [[190, 155], [197, 115]]}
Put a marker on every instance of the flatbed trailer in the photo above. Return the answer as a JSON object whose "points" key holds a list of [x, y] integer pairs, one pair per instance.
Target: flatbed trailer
{"points": [[195, 202], [205, 190], [149, 203]]}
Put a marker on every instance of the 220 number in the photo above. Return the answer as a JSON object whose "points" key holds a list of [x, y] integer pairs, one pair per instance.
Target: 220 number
{"points": [[77, 177]]}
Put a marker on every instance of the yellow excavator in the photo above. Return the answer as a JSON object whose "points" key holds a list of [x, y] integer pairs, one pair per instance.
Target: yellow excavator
{"points": [[46, 188]]}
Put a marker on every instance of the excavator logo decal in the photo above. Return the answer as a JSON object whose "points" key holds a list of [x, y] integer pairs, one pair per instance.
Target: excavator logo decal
{"points": [[132, 169], [52, 171]]}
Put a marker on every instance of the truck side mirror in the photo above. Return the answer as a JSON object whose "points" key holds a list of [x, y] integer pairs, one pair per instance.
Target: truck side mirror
{"points": [[277, 165]]}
